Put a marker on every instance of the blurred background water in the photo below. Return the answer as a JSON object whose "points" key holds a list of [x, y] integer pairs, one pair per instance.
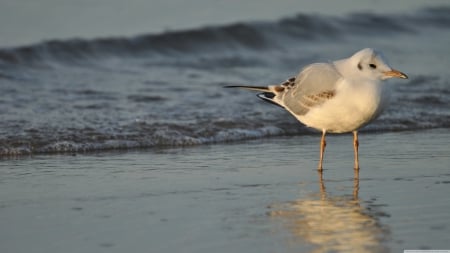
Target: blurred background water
{"points": [[27, 22]]}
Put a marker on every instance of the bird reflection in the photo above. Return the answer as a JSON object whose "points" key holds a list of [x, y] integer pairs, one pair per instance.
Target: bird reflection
{"points": [[333, 223]]}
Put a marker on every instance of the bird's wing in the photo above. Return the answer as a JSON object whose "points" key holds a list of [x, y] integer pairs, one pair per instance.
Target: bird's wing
{"points": [[314, 85]]}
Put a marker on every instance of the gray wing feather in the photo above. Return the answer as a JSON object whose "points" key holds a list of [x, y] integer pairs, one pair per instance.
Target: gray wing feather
{"points": [[314, 85]]}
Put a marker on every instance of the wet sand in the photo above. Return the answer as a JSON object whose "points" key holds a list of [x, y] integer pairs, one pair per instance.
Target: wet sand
{"points": [[255, 196]]}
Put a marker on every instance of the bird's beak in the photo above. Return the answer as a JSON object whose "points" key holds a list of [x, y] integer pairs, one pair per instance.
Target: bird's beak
{"points": [[395, 73]]}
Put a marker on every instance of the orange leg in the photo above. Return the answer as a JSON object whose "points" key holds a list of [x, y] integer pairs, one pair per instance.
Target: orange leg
{"points": [[356, 185], [323, 144], [355, 148]]}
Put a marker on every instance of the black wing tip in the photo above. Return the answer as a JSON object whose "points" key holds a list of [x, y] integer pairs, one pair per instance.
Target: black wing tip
{"points": [[268, 97], [241, 86]]}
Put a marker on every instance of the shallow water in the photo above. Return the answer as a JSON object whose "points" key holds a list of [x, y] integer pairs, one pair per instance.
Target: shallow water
{"points": [[254, 196]]}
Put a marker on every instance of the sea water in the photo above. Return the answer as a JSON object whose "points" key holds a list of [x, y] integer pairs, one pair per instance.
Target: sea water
{"points": [[166, 89]]}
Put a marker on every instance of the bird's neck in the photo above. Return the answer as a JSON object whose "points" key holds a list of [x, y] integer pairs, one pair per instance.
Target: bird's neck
{"points": [[344, 67]]}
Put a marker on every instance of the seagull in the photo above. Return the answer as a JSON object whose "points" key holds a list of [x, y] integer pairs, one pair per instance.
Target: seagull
{"points": [[335, 97]]}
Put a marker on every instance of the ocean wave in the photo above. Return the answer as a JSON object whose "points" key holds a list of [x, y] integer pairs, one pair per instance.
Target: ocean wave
{"points": [[151, 99], [164, 135], [161, 136], [417, 105], [250, 36]]}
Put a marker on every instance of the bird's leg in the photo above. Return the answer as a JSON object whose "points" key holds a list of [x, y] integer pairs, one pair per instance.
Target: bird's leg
{"points": [[323, 144], [355, 148], [323, 191], [356, 185]]}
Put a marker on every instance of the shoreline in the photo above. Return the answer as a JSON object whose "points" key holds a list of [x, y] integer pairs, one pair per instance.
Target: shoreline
{"points": [[308, 133]]}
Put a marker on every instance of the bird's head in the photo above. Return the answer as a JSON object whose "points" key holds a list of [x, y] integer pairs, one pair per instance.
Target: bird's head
{"points": [[370, 63]]}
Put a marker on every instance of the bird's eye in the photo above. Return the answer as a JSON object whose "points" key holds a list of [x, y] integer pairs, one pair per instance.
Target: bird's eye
{"points": [[372, 66]]}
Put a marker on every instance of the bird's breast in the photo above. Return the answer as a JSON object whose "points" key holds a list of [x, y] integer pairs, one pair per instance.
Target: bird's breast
{"points": [[354, 106]]}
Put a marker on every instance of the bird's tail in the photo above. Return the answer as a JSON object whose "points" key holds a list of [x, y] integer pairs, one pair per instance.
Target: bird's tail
{"points": [[266, 95], [255, 88]]}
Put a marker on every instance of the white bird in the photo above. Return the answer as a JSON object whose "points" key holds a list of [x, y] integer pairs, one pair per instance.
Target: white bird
{"points": [[336, 97]]}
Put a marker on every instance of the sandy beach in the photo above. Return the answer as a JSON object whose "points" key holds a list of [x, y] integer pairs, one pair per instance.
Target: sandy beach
{"points": [[253, 196]]}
